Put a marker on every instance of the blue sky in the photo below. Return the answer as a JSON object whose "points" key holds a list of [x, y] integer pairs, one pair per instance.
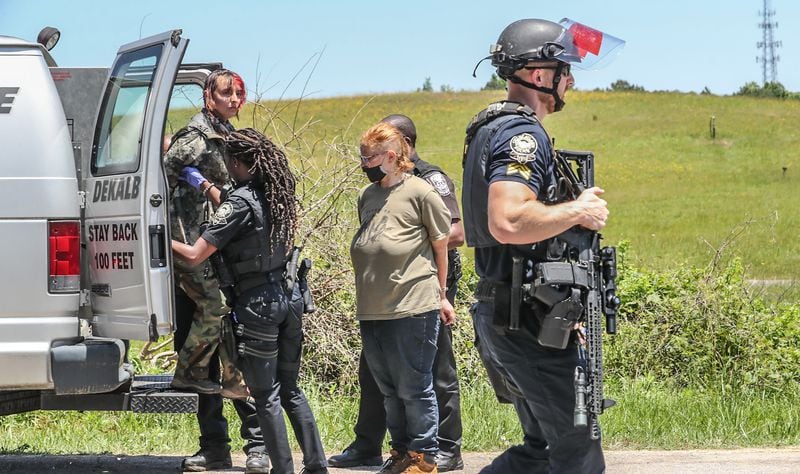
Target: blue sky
{"points": [[379, 46]]}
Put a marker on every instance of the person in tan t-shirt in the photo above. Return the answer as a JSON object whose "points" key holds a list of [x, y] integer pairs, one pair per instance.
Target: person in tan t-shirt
{"points": [[399, 255]]}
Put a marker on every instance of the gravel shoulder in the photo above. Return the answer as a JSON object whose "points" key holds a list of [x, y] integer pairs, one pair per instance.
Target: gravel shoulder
{"points": [[768, 461]]}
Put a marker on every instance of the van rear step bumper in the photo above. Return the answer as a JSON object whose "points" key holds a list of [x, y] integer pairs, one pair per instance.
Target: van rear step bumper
{"points": [[147, 394]]}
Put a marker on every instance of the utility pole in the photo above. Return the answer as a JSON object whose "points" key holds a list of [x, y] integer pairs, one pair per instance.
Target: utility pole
{"points": [[768, 45]]}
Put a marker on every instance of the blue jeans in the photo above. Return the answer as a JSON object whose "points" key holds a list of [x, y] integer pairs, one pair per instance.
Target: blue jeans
{"points": [[400, 355], [552, 443]]}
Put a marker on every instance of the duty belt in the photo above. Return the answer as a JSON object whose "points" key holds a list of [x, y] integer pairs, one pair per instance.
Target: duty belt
{"points": [[485, 290], [257, 280]]}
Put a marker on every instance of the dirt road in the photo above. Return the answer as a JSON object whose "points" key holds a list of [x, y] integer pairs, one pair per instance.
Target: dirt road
{"points": [[767, 461]]}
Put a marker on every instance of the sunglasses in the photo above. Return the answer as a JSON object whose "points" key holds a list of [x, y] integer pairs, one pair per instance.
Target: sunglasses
{"points": [[566, 69], [365, 159]]}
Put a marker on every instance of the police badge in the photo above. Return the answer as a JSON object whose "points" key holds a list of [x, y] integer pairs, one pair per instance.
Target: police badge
{"points": [[224, 211], [523, 148], [439, 184]]}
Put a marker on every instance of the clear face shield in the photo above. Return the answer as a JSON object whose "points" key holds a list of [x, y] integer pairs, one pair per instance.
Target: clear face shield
{"points": [[586, 48]]}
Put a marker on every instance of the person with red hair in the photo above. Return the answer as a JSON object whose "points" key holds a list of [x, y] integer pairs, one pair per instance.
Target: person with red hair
{"points": [[399, 256]]}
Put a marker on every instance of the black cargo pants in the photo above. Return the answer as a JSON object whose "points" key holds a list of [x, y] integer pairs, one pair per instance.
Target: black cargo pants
{"points": [[545, 377], [272, 379]]}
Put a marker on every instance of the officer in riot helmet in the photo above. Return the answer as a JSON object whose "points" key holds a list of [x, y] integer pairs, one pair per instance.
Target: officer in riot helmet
{"points": [[249, 241], [511, 209]]}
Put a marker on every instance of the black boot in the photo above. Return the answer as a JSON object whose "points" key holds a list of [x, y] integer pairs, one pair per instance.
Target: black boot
{"points": [[257, 463], [208, 459], [352, 457], [449, 461]]}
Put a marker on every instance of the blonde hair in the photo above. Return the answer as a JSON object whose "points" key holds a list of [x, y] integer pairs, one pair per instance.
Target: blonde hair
{"points": [[386, 137]]}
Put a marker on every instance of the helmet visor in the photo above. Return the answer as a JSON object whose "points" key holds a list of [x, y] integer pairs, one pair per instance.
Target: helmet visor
{"points": [[587, 48]]}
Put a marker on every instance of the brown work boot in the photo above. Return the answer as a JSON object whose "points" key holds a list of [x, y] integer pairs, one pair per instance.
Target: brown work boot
{"points": [[194, 379], [421, 463], [396, 464], [192, 385]]}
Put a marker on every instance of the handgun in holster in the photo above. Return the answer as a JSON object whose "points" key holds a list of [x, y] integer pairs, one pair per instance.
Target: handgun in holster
{"points": [[302, 277], [290, 276], [228, 337]]}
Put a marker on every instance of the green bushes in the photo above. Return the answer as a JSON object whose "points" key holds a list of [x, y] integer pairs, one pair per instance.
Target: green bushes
{"points": [[698, 328], [769, 89], [703, 328]]}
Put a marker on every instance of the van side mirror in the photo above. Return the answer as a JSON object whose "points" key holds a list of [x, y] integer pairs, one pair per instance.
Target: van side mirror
{"points": [[48, 37]]}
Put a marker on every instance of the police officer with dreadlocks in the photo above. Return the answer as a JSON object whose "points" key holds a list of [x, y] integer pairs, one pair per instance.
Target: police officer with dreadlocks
{"points": [[249, 240], [195, 169], [510, 211]]}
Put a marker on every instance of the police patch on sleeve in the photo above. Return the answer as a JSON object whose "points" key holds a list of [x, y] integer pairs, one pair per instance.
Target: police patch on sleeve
{"points": [[523, 148], [224, 211], [439, 183]]}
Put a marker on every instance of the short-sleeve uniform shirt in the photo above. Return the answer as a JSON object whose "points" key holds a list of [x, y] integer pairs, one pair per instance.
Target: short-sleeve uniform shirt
{"points": [[441, 183], [520, 151], [233, 217]]}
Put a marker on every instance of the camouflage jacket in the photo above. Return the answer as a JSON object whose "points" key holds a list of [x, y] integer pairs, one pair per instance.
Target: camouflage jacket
{"points": [[199, 145]]}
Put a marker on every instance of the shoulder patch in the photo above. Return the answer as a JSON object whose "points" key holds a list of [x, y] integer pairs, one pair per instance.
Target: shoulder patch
{"points": [[224, 211], [523, 148], [439, 183]]}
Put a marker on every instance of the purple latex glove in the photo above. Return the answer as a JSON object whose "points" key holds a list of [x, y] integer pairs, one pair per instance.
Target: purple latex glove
{"points": [[192, 175]]}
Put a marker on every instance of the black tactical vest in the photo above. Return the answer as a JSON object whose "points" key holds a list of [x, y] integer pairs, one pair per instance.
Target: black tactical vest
{"points": [[248, 255], [475, 195]]}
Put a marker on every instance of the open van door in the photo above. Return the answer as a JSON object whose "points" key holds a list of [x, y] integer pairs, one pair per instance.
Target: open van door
{"points": [[127, 237]]}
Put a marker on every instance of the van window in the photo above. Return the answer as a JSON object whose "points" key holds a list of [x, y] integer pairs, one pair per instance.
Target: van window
{"points": [[185, 102], [119, 128]]}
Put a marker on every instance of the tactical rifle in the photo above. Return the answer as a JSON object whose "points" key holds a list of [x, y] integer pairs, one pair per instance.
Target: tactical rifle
{"points": [[594, 272]]}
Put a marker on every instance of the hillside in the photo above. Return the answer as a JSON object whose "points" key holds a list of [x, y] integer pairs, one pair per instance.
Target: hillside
{"points": [[675, 193]]}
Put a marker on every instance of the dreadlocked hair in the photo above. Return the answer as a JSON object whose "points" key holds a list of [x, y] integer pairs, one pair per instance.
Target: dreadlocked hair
{"points": [[270, 169]]}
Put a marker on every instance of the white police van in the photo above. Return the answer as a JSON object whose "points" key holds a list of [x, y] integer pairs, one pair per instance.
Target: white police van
{"points": [[84, 241]]}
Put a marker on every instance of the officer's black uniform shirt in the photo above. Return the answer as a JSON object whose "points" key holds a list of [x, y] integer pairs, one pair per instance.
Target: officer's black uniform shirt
{"points": [[440, 182], [233, 217], [520, 151]]}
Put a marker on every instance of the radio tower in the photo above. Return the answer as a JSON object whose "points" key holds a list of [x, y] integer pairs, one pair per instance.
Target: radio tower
{"points": [[768, 45]]}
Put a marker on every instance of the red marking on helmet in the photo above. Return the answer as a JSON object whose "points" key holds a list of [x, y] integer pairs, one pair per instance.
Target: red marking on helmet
{"points": [[586, 39]]}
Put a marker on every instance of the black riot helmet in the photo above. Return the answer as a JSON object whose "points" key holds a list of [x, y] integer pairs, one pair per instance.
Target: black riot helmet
{"points": [[527, 42]]}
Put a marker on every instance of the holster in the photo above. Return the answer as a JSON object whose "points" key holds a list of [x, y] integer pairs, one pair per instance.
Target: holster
{"points": [[302, 278], [228, 338], [557, 325]]}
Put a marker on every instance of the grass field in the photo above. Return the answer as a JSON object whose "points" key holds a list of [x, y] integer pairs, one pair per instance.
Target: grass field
{"points": [[648, 416], [674, 192], [677, 195]]}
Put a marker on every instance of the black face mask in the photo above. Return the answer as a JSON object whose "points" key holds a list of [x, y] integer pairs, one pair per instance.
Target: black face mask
{"points": [[374, 174]]}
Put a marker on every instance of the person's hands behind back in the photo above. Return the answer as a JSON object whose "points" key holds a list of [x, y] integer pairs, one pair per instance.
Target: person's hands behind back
{"points": [[447, 314]]}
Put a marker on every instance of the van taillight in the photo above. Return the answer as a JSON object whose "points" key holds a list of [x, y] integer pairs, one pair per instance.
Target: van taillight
{"points": [[65, 256]]}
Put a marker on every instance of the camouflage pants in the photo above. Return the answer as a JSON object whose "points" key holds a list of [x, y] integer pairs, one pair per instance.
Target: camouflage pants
{"points": [[203, 338]]}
